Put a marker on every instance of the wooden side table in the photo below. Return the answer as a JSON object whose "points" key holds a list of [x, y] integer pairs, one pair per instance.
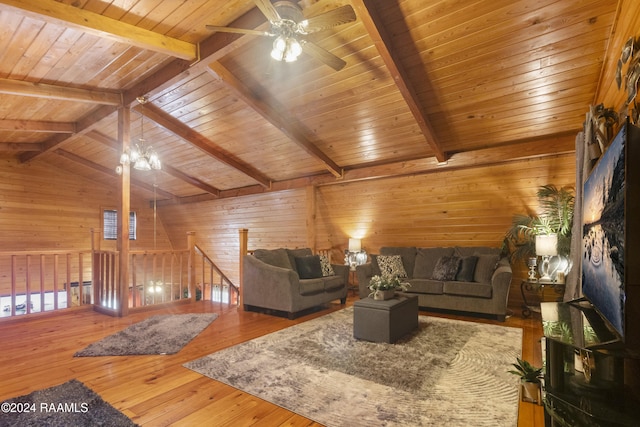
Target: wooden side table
{"points": [[530, 287]]}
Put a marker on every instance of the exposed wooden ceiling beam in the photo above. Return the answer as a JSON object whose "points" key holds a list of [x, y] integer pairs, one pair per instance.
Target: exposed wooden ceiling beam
{"points": [[184, 132], [111, 172], [562, 145], [102, 26], [37, 126], [213, 48], [20, 146], [41, 90], [274, 114], [166, 168], [84, 125], [368, 14]]}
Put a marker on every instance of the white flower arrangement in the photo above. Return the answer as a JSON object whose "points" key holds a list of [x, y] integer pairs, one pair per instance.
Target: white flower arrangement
{"points": [[386, 283]]}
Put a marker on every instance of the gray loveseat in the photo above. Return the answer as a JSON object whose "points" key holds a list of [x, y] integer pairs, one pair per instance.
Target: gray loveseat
{"points": [[291, 280], [467, 279]]}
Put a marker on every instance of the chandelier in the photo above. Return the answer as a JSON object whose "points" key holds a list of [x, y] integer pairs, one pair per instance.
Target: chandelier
{"points": [[142, 156]]}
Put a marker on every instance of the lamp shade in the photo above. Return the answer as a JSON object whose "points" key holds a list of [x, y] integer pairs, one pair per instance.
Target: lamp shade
{"points": [[547, 244], [355, 245]]}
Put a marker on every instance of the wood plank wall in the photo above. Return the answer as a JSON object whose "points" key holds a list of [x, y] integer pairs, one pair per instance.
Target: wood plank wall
{"points": [[43, 207], [465, 207]]}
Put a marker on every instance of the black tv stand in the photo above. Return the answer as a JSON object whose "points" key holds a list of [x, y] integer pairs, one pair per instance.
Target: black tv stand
{"points": [[585, 381]]}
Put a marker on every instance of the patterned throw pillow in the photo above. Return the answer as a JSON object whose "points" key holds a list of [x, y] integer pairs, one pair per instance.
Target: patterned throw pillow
{"points": [[446, 268], [391, 265], [327, 270]]}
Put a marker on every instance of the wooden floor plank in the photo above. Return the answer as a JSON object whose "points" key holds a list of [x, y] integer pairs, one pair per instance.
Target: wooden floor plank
{"points": [[157, 390]]}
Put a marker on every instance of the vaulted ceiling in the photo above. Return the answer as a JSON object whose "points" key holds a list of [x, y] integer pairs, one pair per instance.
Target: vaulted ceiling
{"points": [[427, 85]]}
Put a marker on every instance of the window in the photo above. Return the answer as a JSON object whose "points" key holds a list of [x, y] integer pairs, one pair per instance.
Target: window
{"points": [[110, 224]]}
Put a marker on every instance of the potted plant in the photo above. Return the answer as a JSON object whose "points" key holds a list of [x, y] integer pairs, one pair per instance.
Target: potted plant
{"points": [[556, 218], [384, 287], [530, 384]]}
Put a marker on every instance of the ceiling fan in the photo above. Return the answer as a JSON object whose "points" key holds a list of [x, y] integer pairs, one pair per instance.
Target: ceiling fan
{"points": [[289, 29]]}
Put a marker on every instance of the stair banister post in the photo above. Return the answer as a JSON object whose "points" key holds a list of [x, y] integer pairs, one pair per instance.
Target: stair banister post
{"points": [[191, 264], [244, 242]]}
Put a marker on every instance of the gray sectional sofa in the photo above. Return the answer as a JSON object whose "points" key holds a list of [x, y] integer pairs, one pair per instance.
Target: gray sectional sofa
{"points": [[291, 280], [466, 279]]}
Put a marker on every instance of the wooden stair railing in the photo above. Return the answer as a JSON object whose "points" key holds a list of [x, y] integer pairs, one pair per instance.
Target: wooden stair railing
{"points": [[159, 277], [208, 269]]}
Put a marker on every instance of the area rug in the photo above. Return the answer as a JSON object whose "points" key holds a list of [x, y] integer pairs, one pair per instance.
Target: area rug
{"points": [[161, 334], [447, 372], [68, 404]]}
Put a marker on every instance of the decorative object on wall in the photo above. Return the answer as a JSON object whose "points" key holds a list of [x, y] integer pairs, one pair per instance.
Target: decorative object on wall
{"points": [[142, 156], [355, 255]]}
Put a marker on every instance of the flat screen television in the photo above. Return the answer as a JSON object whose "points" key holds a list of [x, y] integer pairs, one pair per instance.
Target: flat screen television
{"points": [[611, 236]]}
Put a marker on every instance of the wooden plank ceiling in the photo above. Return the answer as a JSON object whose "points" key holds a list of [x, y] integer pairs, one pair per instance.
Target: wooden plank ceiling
{"points": [[427, 84]]}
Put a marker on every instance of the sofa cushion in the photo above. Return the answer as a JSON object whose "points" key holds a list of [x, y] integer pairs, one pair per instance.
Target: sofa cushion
{"points": [[467, 268], [426, 259], [333, 282], [485, 267], [391, 265], [468, 289], [309, 267], [311, 286], [446, 268], [407, 253], [275, 257], [327, 269], [425, 286]]}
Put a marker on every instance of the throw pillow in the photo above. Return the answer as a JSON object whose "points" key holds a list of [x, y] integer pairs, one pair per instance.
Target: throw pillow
{"points": [[446, 268], [391, 265], [327, 269], [309, 267], [467, 268], [275, 257], [485, 267], [426, 260]]}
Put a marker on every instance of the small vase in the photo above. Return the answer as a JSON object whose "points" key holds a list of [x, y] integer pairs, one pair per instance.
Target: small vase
{"points": [[384, 295]]}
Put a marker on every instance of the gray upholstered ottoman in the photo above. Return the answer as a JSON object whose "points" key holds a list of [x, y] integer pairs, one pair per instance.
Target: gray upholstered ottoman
{"points": [[385, 321]]}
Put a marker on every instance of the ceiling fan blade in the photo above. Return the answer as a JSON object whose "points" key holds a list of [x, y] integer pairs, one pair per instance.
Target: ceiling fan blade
{"points": [[322, 55], [330, 19], [237, 30], [268, 10]]}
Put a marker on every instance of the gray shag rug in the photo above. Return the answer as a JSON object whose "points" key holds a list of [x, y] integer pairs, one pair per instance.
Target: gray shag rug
{"points": [[447, 372], [162, 334], [68, 404]]}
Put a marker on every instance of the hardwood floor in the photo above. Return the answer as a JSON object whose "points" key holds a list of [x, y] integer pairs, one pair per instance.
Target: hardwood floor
{"points": [[156, 390]]}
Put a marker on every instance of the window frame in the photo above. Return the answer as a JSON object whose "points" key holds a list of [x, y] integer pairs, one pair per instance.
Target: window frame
{"points": [[111, 233]]}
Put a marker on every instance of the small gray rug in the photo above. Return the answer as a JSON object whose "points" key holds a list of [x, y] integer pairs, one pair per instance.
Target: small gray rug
{"points": [[162, 334], [448, 372], [68, 404]]}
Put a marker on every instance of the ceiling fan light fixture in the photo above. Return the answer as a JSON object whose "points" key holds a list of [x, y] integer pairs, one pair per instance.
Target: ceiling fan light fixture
{"points": [[286, 49]]}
